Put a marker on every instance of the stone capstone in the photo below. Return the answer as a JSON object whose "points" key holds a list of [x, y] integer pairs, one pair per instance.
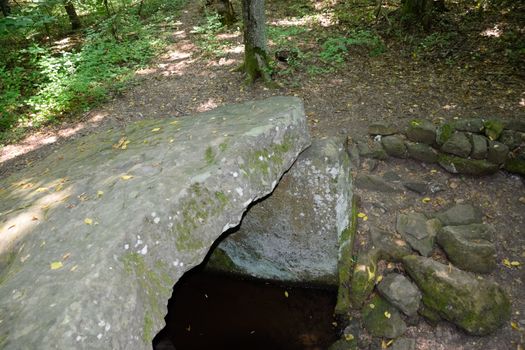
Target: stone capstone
{"points": [[478, 306], [418, 231], [474, 125], [401, 293], [293, 235], [460, 214], [458, 165], [469, 247], [420, 130], [458, 145], [101, 230], [381, 319]]}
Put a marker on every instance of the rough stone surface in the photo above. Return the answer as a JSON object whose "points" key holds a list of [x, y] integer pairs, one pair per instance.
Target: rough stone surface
{"points": [[381, 129], [372, 149], [510, 138], [293, 235], [421, 152], [404, 344], [493, 129], [363, 277], [391, 247], [478, 306], [394, 146], [382, 319], [497, 152], [418, 187], [401, 293], [420, 130], [460, 214], [515, 165], [469, 124], [101, 230], [458, 145], [418, 231], [516, 124], [374, 183], [469, 247], [479, 147], [444, 132], [458, 165]]}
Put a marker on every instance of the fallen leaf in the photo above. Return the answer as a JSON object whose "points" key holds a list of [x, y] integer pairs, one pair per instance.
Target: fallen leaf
{"points": [[514, 325], [100, 194], [372, 306], [349, 337], [126, 177], [55, 265], [174, 122], [286, 294], [379, 278], [515, 263], [155, 129], [426, 200], [88, 221], [74, 268], [506, 262], [12, 226], [387, 314], [34, 218], [66, 256], [362, 216]]}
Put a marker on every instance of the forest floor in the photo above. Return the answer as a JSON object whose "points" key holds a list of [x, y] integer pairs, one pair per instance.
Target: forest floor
{"points": [[439, 80]]}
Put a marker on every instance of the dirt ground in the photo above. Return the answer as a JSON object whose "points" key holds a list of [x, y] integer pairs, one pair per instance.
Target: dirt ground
{"points": [[389, 87]]}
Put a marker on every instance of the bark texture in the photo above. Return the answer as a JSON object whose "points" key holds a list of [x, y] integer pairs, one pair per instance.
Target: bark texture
{"points": [[72, 14], [225, 10], [256, 59]]}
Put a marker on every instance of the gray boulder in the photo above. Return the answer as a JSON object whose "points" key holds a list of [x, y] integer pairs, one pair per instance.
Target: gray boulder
{"points": [[421, 152], [474, 125], [478, 306], [381, 129], [497, 152], [510, 138], [458, 145], [293, 235], [460, 214], [101, 230], [458, 165], [381, 319], [479, 146], [371, 149], [394, 146], [391, 247], [421, 130], [469, 247], [374, 183], [401, 293], [418, 231]]}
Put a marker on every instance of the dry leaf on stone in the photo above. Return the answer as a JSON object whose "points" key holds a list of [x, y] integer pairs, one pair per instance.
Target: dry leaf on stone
{"points": [[55, 265]]}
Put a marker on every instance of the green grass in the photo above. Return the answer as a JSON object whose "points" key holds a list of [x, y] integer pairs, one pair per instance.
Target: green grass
{"points": [[39, 85]]}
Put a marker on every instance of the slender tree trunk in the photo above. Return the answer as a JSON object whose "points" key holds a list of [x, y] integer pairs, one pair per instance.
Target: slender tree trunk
{"points": [[256, 58], [72, 14], [225, 10], [6, 9]]}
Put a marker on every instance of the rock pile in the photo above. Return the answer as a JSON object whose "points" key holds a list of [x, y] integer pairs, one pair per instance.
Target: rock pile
{"points": [[466, 146], [413, 283]]}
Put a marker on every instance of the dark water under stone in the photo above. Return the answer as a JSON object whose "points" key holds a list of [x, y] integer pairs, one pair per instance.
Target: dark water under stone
{"points": [[213, 311]]}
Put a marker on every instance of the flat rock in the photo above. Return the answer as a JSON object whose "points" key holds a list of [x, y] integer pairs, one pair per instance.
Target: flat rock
{"points": [[371, 149], [418, 187], [421, 130], [293, 235], [497, 152], [418, 231], [394, 146], [392, 248], [469, 247], [458, 145], [474, 125], [374, 183], [478, 306], [421, 152], [381, 129], [404, 344], [381, 319], [458, 165], [460, 214], [479, 146], [105, 226], [401, 293]]}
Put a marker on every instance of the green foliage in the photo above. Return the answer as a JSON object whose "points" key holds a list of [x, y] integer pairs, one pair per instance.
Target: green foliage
{"points": [[281, 36], [208, 40], [334, 50], [40, 83]]}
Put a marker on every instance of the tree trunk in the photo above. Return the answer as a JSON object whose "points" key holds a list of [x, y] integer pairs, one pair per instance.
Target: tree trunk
{"points": [[6, 9], [225, 10], [421, 10], [72, 14], [256, 58]]}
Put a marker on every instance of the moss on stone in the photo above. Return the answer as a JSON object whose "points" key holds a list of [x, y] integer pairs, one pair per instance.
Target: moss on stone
{"points": [[363, 277], [515, 166], [346, 262], [209, 155], [466, 166], [493, 129], [381, 319], [147, 332], [444, 133]]}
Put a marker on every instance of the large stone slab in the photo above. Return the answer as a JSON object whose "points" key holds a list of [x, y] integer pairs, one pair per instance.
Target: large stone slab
{"points": [[94, 237], [294, 234]]}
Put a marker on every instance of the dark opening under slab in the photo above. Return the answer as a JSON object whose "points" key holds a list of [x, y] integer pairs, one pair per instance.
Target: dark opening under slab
{"points": [[215, 311]]}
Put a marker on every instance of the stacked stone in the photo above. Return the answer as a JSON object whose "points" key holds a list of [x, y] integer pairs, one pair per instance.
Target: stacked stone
{"points": [[466, 146], [450, 291]]}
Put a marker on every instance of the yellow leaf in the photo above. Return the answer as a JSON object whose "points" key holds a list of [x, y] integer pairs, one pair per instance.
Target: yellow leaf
{"points": [[174, 122], [42, 189], [514, 325], [515, 263], [426, 200], [433, 171], [286, 294], [506, 262], [74, 268], [361, 215], [349, 337], [155, 129], [387, 314], [55, 265], [126, 177], [88, 221], [171, 141], [379, 278], [100, 193], [372, 306]]}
